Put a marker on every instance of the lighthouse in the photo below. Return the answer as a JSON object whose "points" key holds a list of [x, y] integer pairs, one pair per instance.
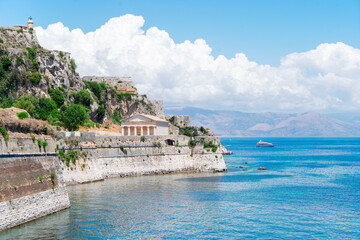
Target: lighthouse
{"points": [[30, 23]]}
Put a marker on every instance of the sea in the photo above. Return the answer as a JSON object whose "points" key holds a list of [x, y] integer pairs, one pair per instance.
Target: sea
{"points": [[310, 190]]}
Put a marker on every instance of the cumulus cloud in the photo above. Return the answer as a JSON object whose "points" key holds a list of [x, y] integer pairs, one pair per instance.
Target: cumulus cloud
{"points": [[325, 78]]}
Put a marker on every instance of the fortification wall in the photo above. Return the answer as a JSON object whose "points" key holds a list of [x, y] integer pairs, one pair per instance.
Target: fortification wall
{"points": [[120, 82], [31, 207], [30, 183], [115, 156], [179, 120]]}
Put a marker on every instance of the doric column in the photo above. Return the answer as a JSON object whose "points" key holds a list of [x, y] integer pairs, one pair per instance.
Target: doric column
{"points": [[141, 131]]}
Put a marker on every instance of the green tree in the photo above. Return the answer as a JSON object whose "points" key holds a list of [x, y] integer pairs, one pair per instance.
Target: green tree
{"points": [[6, 102], [57, 96], [82, 97], [47, 108], [29, 103], [74, 116]]}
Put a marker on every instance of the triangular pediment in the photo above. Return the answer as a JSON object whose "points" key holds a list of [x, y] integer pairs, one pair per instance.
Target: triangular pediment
{"points": [[138, 118]]}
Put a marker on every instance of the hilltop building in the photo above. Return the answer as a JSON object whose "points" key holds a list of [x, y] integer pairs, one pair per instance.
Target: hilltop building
{"points": [[122, 84], [30, 25], [144, 125], [179, 120]]}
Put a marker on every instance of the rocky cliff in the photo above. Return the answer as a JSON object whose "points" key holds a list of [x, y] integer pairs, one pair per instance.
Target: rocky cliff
{"points": [[27, 69]]}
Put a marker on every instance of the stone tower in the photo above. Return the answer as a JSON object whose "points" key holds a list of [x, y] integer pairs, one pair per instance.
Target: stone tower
{"points": [[30, 23]]}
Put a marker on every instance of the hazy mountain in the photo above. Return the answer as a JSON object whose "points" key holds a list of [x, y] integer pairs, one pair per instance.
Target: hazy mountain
{"points": [[232, 123]]}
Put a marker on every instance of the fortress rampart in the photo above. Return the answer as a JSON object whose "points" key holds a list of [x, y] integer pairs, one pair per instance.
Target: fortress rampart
{"points": [[113, 156], [30, 182]]}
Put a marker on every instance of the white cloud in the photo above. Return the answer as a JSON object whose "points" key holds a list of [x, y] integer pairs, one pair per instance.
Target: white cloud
{"points": [[325, 78]]}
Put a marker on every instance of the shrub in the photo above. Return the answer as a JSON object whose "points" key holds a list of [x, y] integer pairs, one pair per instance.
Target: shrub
{"points": [[31, 53], [82, 97], [52, 177], [214, 148], [188, 131], [3, 132], [22, 115], [19, 61], [61, 154], [34, 65], [7, 102], [29, 103], [102, 86], [74, 116], [73, 65], [73, 156], [100, 113], [47, 108], [95, 88], [57, 96], [41, 178], [33, 137], [35, 78], [51, 56], [40, 143], [203, 130], [6, 64], [192, 143], [142, 138], [126, 96], [116, 117]]}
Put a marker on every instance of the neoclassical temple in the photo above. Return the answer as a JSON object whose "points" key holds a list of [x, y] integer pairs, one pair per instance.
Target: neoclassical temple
{"points": [[144, 125]]}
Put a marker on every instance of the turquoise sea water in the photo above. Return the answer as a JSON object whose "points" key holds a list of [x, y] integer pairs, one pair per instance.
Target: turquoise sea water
{"points": [[311, 190]]}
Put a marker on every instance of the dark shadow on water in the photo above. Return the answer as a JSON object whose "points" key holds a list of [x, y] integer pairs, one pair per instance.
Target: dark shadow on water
{"points": [[248, 177]]}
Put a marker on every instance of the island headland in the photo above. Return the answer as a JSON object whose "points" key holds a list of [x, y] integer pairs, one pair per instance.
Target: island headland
{"points": [[58, 128]]}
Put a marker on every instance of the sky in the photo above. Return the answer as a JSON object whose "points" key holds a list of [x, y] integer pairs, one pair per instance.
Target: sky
{"points": [[253, 56]]}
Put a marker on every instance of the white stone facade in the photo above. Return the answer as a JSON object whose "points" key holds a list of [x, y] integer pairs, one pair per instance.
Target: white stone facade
{"points": [[144, 125]]}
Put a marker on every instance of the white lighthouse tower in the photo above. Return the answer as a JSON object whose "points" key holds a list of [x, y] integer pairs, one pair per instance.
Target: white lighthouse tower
{"points": [[30, 23]]}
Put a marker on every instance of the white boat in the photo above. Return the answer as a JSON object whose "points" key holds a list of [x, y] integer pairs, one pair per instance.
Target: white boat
{"points": [[264, 144]]}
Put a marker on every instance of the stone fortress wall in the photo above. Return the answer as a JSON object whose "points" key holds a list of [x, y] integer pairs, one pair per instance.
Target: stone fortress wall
{"points": [[117, 156], [30, 182], [119, 82], [179, 120]]}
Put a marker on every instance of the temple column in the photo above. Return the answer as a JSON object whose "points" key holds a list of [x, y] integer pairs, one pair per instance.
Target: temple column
{"points": [[146, 132], [141, 131]]}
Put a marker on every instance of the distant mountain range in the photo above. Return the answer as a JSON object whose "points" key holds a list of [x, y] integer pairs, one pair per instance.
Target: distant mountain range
{"points": [[233, 123]]}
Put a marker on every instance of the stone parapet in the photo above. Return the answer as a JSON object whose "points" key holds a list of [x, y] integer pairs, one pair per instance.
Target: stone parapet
{"points": [[24, 209]]}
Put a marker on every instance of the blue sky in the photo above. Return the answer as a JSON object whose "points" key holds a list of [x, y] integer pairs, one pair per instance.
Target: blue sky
{"points": [[264, 30]]}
